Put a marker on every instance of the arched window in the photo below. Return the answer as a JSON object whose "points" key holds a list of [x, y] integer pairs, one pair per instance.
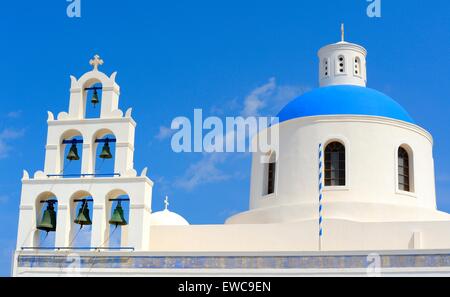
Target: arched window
{"points": [[46, 213], [335, 164], [340, 64], [403, 170], [71, 154], [81, 218], [92, 100], [117, 207], [104, 152], [269, 175]]}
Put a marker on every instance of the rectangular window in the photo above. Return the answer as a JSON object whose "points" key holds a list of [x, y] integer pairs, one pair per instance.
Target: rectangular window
{"points": [[271, 178], [403, 170], [335, 166]]}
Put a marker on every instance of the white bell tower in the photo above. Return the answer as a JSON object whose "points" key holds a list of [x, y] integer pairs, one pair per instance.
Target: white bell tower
{"points": [[342, 63], [73, 127]]}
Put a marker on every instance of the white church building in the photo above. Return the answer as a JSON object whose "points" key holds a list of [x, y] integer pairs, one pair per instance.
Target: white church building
{"points": [[349, 188]]}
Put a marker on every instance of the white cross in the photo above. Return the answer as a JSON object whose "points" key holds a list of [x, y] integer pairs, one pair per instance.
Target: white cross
{"points": [[166, 203], [96, 61], [342, 32]]}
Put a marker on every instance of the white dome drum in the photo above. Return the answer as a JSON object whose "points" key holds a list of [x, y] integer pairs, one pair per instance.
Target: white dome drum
{"points": [[370, 191]]}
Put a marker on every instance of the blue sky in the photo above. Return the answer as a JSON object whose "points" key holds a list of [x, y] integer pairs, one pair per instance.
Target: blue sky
{"points": [[174, 56]]}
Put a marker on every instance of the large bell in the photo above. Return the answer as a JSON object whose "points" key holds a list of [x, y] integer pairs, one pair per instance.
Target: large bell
{"points": [[73, 153], [117, 217], [94, 99], [83, 217], [106, 151], [48, 222]]}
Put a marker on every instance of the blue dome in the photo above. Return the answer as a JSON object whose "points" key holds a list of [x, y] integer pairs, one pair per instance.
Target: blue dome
{"points": [[344, 100]]}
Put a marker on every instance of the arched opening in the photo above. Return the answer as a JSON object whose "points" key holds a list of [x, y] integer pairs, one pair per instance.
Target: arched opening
{"points": [[405, 169], [71, 154], [46, 213], [81, 216], [117, 214], [340, 64], [357, 66], [269, 172], [92, 99], [325, 67], [335, 164], [104, 152]]}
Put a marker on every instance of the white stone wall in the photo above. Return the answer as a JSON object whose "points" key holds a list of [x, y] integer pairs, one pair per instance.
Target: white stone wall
{"points": [[339, 235]]}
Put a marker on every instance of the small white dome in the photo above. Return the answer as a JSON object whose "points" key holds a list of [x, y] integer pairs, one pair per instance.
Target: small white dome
{"points": [[166, 217]]}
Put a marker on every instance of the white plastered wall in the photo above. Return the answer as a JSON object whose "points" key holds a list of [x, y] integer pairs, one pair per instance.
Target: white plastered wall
{"points": [[371, 192], [349, 51], [339, 235]]}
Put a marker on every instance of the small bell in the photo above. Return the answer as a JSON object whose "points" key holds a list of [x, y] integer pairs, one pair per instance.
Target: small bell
{"points": [[73, 153], [117, 217], [94, 99], [106, 151], [48, 222], [83, 217]]}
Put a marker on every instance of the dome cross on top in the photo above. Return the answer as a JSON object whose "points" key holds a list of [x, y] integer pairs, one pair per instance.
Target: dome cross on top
{"points": [[166, 203], [95, 62]]}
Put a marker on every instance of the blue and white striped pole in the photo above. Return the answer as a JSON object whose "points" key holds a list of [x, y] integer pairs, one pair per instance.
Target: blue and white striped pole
{"points": [[320, 195]]}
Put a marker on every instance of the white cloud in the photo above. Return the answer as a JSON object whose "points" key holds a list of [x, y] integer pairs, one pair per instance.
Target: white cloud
{"points": [[167, 132], [224, 107], [203, 171], [266, 99], [5, 137], [269, 98], [284, 94], [164, 133], [257, 99], [14, 114]]}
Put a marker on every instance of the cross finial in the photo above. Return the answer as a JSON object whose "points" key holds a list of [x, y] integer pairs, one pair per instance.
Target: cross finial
{"points": [[342, 32], [96, 61], [166, 203]]}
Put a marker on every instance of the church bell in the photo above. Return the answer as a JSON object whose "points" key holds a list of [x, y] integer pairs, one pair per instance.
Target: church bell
{"points": [[73, 153], [94, 99], [106, 151], [48, 222], [83, 217], [117, 217]]}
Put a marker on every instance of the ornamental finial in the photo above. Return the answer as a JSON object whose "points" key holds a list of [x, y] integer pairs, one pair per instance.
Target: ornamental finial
{"points": [[95, 62], [166, 203], [342, 32]]}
